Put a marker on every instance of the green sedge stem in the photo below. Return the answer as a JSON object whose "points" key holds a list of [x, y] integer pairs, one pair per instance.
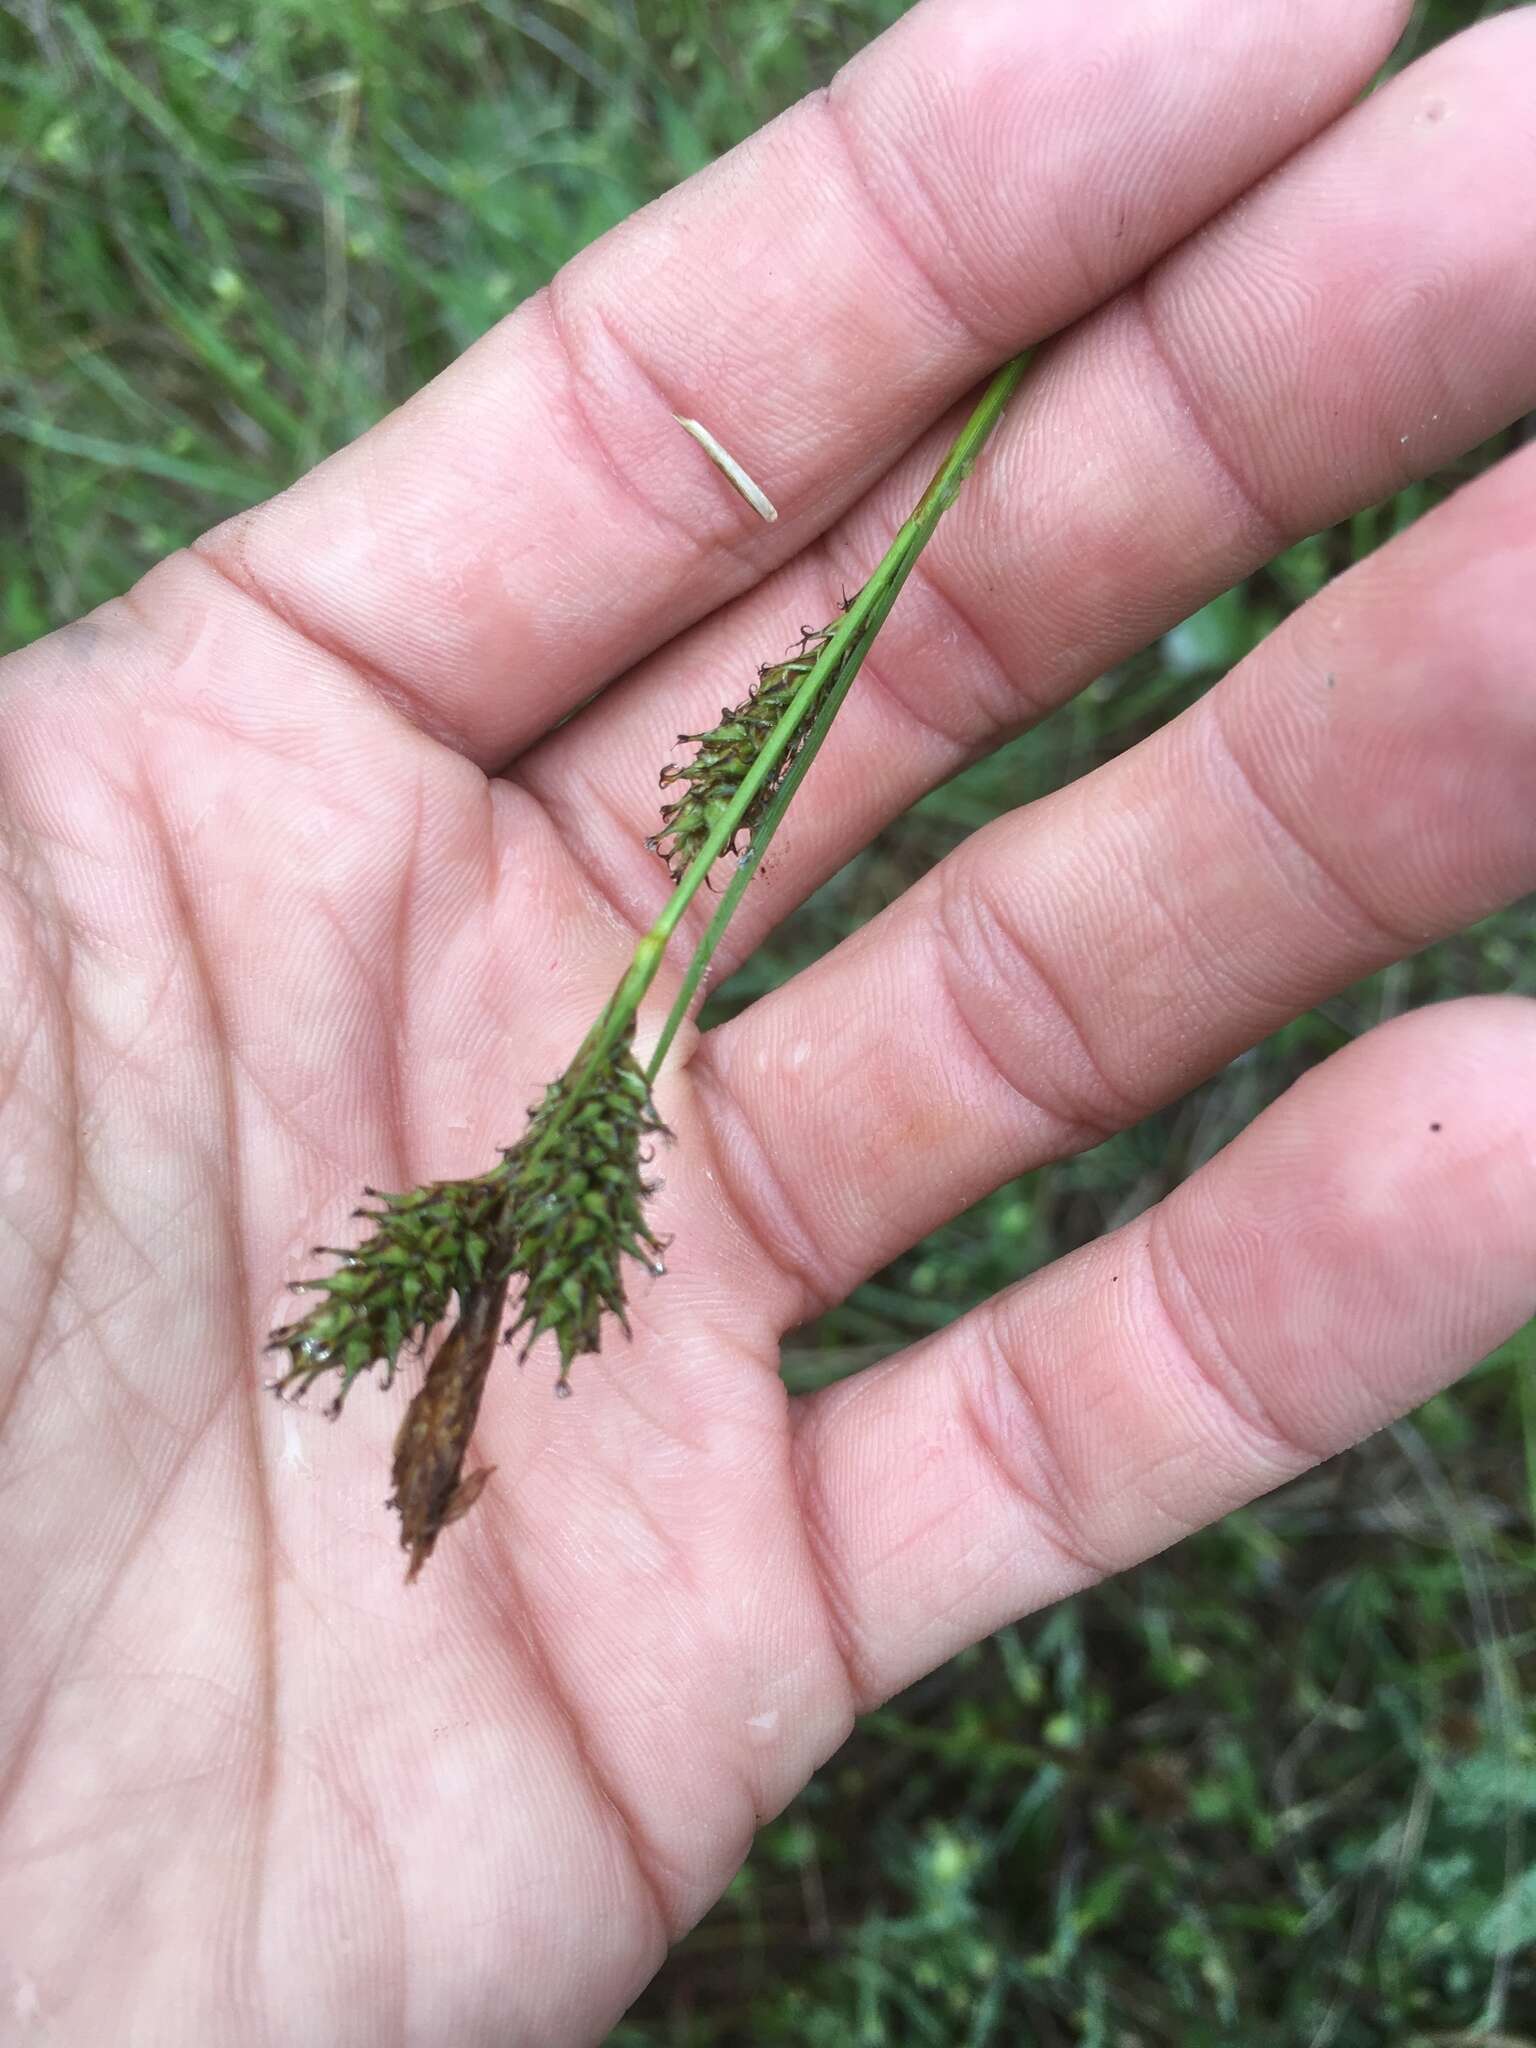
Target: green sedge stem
{"points": [[887, 583], [746, 867], [834, 670]]}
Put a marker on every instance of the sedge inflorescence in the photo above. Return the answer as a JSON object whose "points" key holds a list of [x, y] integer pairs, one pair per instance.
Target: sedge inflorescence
{"points": [[581, 1195], [725, 754], [566, 1205], [563, 1210], [429, 1246]]}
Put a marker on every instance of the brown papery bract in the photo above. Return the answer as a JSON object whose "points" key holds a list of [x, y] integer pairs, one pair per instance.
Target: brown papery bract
{"points": [[434, 1437]]}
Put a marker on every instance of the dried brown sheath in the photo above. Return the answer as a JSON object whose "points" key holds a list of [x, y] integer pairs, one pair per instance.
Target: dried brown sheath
{"points": [[434, 1437]]}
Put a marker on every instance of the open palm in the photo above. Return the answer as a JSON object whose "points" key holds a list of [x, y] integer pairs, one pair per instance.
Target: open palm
{"points": [[310, 880]]}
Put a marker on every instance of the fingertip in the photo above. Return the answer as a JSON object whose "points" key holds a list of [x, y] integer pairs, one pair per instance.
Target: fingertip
{"points": [[1374, 1232]]}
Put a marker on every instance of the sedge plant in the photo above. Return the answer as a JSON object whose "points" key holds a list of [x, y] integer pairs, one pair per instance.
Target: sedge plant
{"points": [[565, 1206]]}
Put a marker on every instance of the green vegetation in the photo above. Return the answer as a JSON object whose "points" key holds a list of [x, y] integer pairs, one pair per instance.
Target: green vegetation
{"points": [[1278, 1787]]}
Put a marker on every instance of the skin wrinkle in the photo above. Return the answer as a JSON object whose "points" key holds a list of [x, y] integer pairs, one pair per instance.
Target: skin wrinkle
{"points": [[1095, 281], [16, 1088], [506, 1590], [395, 1006], [59, 976], [837, 1610], [771, 1218], [668, 1882], [93, 1832], [680, 1571], [545, 819], [243, 1335], [11, 1082], [1261, 1436], [23, 1743], [763, 1806], [35, 1252], [85, 1628], [378, 980], [124, 1054], [143, 616], [1074, 1134], [1381, 938], [608, 459], [365, 1821], [362, 958], [339, 806], [625, 1387], [287, 1117], [569, 814], [1045, 1495], [415, 714], [93, 1413], [105, 1213], [1211, 979], [965, 902], [874, 679], [730, 537], [695, 1447], [631, 359], [27, 1357], [995, 724], [1267, 533], [830, 103], [134, 1396], [1450, 394]]}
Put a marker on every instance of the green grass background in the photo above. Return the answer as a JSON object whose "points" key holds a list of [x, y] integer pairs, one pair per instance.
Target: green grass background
{"points": [[1278, 1786]]}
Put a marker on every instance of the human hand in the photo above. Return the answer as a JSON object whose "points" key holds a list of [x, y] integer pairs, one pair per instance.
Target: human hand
{"points": [[303, 889]]}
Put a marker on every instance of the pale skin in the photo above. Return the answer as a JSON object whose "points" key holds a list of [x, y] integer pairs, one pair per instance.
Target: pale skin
{"points": [[300, 892]]}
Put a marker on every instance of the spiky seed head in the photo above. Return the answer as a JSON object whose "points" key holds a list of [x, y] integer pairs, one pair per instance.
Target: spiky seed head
{"points": [[581, 1194], [564, 1208], [428, 1245], [725, 754]]}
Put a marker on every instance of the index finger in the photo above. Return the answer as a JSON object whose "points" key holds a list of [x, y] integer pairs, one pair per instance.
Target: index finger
{"points": [[533, 521]]}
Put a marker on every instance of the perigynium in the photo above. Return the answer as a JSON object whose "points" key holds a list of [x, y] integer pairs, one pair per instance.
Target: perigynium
{"points": [[565, 1207]]}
